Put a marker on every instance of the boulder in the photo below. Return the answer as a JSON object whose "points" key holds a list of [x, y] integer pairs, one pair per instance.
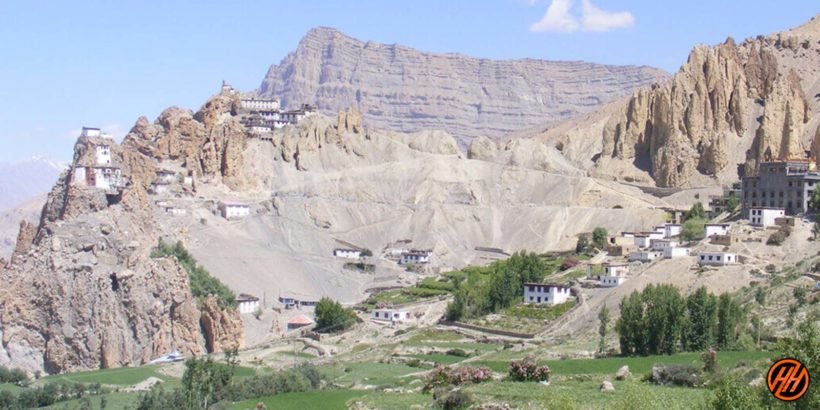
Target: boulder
{"points": [[622, 373], [606, 386]]}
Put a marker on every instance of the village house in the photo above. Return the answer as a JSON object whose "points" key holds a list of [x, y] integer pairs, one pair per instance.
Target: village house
{"points": [[614, 274], [671, 230], [291, 301], [233, 210], [299, 321], [765, 217], [644, 239], [644, 256], [716, 229], [415, 257], [175, 211], [247, 303], [546, 293], [391, 315], [675, 252], [724, 240], [717, 258], [262, 104], [662, 244], [347, 253]]}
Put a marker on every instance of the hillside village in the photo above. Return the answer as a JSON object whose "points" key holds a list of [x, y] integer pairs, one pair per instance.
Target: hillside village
{"points": [[288, 255]]}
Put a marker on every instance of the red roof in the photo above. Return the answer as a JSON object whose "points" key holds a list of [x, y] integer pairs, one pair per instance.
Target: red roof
{"points": [[300, 320]]}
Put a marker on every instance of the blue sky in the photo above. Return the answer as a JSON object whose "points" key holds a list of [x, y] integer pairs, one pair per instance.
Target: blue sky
{"points": [[66, 64]]}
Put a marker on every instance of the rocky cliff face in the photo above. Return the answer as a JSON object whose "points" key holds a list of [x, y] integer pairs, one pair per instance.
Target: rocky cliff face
{"points": [[81, 290], [728, 105], [407, 90]]}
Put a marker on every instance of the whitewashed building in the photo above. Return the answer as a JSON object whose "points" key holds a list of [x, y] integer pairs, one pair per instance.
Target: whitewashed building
{"points": [[102, 154], [641, 240], [717, 258], [261, 104], [90, 132], [662, 244], [676, 252], [716, 229], [391, 315], [166, 176], [546, 293], [614, 274], [415, 256], [347, 253], [644, 256], [232, 210], [102, 177], [765, 216], [247, 303], [672, 230], [176, 211]]}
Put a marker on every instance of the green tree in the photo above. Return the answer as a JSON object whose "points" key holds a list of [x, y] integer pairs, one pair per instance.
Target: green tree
{"points": [[702, 320], [805, 347], [729, 316], [603, 318], [731, 204], [696, 212], [693, 229], [205, 382], [455, 310], [201, 282], [814, 202], [631, 325], [760, 296], [582, 244], [599, 237], [332, 316]]}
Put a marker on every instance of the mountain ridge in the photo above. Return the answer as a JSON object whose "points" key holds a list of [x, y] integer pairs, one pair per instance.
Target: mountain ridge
{"points": [[403, 89]]}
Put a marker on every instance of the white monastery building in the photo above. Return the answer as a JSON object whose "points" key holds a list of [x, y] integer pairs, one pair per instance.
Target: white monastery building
{"points": [[645, 256], [415, 256], [675, 252], [765, 216], [716, 229], [614, 274], [717, 258], [102, 174], [546, 293], [233, 210], [347, 253], [390, 315], [247, 303]]}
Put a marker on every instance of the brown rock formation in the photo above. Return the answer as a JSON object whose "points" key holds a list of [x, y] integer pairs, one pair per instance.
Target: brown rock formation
{"points": [[81, 291], [728, 104]]}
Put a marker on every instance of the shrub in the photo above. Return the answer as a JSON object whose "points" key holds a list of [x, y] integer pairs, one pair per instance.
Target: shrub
{"points": [[569, 263], [599, 237], [676, 375], [413, 363], [442, 376], [770, 268], [776, 239], [451, 399], [15, 376], [731, 393], [457, 353], [710, 362], [526, 370]]}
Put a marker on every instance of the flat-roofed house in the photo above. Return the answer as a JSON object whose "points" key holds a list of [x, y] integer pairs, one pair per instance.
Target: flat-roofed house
{"points": [[716, 229], [717, 258], [233, 210], [247, 303], [614, 274], [546, 293]]}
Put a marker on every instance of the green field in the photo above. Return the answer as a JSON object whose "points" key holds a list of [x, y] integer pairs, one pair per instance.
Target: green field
{"points": [[637, 365], [125, 376], [337, 399], [445, 359], [114, 400], [372, 374]]}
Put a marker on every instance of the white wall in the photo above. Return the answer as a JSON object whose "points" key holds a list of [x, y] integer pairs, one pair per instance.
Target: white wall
{"points": [[248, 307], [675, 252], [551, 295], [716, 230], [235, 211]]}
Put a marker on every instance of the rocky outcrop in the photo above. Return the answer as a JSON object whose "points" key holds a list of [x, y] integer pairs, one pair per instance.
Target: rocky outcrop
{"points": [[482, 148], [25, 238], [730, 104], [81, 290], [407, 90], [210, 142], [220, 327]]}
